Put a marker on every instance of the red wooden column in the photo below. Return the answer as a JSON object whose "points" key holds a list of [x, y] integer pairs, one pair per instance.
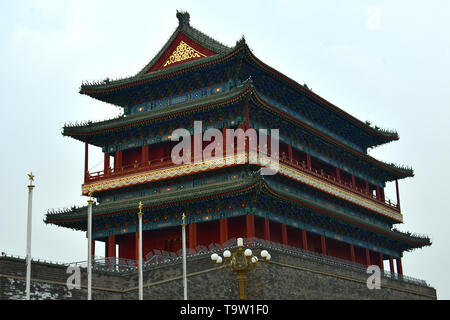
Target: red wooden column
{"points": [[118, 161], [381, 261], [308, 161], [398, 194], [223, 226], [352, 253], [250, 224], [367, 187], [391, 264], [106, 248], [323, 245], [86, 161], [106, 163], [382, 194], [304, 240], [353, 181], [368, 257], [284, 237], [266, 229], [338, 174], [399, 266], [145, 155], [378, 193], [112, 246], [290, 154], [193, 236]]}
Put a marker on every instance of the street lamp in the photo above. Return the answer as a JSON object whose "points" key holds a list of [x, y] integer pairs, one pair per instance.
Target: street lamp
{"points": [[89, 232], [29, 224], [140, 275], [240, 261], [183, 236]]}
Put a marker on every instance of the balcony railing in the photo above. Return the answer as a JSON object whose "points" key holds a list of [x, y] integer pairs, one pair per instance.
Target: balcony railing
{"points": [[166, 162], [130, 169], [301, 166]]}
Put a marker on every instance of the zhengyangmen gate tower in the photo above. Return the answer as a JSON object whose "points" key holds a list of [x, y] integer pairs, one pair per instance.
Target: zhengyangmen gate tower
{"points": [[326, 201]]}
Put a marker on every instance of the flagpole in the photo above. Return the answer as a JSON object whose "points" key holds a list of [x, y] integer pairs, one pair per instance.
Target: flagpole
{"points": [[29, 222], [183, 227], [141, 284], [89, 267]]}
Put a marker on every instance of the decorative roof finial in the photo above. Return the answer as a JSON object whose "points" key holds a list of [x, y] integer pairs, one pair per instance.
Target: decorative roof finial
{"points": [[241, 41], [183, 17]]}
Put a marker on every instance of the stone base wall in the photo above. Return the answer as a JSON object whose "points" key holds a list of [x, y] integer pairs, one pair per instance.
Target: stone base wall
{"points": [[285, 277]]}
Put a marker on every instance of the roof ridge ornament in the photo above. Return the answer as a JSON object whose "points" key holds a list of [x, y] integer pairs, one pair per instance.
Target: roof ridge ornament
{"points": [[241, 41], [183, 17]]}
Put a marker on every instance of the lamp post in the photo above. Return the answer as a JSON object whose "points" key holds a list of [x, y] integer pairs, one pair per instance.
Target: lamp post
{"points": [[89, 231], [28, 257], [184, 256], [141, 281], [240, 261]]}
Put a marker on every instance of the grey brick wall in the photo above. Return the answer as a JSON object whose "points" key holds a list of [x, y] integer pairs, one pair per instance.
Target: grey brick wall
{"points": [[286, 277]]}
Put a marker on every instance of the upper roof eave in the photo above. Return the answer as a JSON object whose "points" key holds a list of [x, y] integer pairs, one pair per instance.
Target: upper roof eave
{"points": [[107, 86], [384, 134], [96, 90], [144, 74], [87, 129]]}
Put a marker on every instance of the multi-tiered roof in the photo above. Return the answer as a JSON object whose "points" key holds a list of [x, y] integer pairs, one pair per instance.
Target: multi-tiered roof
{"points": [[194, 75]]}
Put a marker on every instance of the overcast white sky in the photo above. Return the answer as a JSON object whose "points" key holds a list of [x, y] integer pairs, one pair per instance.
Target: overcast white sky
{"points": [[383, 61]]}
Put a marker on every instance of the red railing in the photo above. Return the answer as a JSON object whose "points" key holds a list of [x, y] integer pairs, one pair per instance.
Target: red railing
{"points": [[299, 165], [130, 169]]}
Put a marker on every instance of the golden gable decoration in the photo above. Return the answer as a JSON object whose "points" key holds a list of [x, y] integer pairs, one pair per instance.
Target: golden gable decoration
{"points": [[183, 52]]}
